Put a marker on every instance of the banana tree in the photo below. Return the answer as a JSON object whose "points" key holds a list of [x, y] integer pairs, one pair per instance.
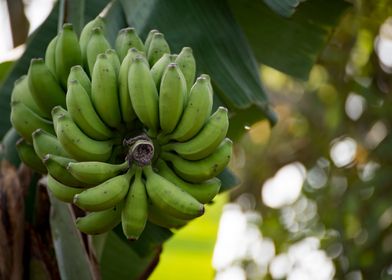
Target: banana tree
{"points": [[229, 39]]}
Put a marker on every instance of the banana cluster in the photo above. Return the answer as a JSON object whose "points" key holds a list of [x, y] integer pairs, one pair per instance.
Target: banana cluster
{"points": [[126, 133]]}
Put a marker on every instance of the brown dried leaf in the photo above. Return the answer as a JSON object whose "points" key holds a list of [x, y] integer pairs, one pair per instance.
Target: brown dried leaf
{"points": [[11, 223]]}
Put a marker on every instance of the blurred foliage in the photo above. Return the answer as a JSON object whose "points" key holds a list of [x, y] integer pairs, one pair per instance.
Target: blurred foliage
{"points": [[353, 211]]}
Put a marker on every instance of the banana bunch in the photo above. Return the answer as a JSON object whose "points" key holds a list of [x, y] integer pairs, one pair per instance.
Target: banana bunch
{"points": [[126, 133]]}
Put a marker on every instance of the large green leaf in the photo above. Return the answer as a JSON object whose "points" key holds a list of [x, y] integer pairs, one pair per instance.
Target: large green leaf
{"points": [[289, 45], [119, 261], [283, 7], [8, 147], [93, 8], [5, 67], [219, 45], [151, 239], [75, 13], [229, 180], [71, 255], [115, 20]]}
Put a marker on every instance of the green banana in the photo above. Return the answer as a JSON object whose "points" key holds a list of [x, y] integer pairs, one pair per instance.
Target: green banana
{"points": [[105, 195], [113, 58], [60, 191], [99, 222], [85, 36], [104, 91], [57, 167], [25, 121], [21, 93], [78, 144], [57, 112], [160, 218], [29, 157], [172, 94], [127, 38], [44, 88], [186, 61], [204, 169], [82, 112], [135, 212], [204, 192], [207, 77], [206, 141], [77, 73], [50, 55], [45, 143], [160, 66], [97, 44], [196, 112], [169, 198], [67, 53], [143, 93], [95, 172], [147, 42], [127, 113], [157, 48]]}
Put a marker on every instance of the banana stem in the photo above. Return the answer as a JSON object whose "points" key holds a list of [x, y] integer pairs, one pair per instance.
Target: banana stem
{"points": [[141, 150]]}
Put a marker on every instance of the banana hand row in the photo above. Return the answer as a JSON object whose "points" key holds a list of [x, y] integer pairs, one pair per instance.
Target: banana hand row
{"points": [[124, 132]]}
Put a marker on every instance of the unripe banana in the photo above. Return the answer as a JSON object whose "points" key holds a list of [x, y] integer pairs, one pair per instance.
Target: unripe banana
{"points": [[45, 143], [172, 94], [97, 44], [106, 195], [160, 218], [57, 112], [50, 55], [169, 198], [85, 36], [143, 93], [147, 42], [77, 73], [204, 169], [44, 88], [78, 144], [206, 141], [140, 93], [99, 222], [95, 172], [127, 39], [60, 191], [135, 212], [57, 168], [207, 77], [104, 91], [157, 48], [67, 53], [195, 114], [29, 157], [127, 113], [204, 192], [21, 93], [25, 121], [113, 58], [82, 112], [186, 61], [160, 66]]}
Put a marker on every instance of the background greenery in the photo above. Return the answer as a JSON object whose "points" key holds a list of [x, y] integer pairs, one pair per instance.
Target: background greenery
{"points": [[309, 57]]}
